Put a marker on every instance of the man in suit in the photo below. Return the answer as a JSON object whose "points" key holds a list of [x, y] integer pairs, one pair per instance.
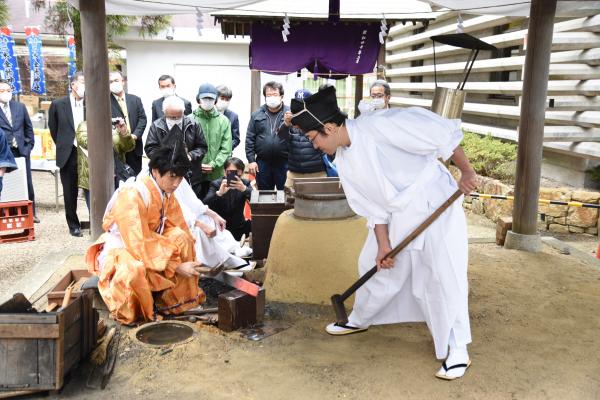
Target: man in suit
{"points": [[15, 122], [166, 85], [130, 108], [64, 116]]}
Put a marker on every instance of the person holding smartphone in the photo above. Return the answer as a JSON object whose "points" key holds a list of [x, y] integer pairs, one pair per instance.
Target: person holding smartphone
{"points": [[227, 196]]}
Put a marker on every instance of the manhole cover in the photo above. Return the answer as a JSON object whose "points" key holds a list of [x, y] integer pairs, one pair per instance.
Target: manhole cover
{"points": [[164, 333]]}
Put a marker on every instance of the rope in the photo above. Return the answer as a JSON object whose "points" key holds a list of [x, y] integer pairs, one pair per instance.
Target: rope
{"points": [[543, 201]]}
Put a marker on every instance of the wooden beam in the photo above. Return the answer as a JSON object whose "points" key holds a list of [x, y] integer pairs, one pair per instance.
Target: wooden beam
{"points": [[571, 134], [95, 69], [531, 125], [255, 91], [555, 88], [358, 94], [589, 150], [559, 65], [29, 331], [573, 103], [503, 40]]}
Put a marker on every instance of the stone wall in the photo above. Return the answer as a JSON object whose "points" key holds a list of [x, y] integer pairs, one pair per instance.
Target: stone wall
{"points": [[555, 218]]}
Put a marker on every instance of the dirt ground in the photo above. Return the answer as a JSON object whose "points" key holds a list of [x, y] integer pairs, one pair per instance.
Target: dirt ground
{"points": [[535, 325]]}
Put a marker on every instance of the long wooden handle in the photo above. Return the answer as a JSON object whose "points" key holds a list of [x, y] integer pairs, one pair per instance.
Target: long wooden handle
{"points": [[67, 297], [418, 230]]}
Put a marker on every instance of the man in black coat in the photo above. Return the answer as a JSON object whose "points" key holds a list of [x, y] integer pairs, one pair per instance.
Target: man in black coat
{"points": [[130, 108], [161, 134], [166, 85], [16, 124], [266, 152], [224, 95], [65, 114], [227, 197]]}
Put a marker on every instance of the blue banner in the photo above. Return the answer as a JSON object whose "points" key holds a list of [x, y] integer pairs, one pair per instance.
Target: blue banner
{"points": [[72, 67], [9, 69], [36, 61]]}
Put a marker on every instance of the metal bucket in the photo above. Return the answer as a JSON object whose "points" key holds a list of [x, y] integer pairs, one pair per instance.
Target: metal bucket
{"points": [[320, 198], [448, 102]]}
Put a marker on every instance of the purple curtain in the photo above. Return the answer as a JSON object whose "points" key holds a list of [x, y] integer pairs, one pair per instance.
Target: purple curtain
{"points": [[322, 48]]}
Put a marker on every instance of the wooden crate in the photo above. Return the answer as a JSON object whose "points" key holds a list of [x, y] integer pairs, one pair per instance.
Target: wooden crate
{"points": [[57, 293], [37, 350]]}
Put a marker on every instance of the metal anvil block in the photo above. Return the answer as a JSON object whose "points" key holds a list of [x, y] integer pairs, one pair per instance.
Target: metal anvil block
{"points": [[240, 310]]}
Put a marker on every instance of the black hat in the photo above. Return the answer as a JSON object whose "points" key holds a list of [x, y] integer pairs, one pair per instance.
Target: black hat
{"points": [[322, 107]]}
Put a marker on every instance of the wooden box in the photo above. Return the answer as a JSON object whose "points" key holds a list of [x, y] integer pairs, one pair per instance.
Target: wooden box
{"points": [[57, 293], [240, 310], [266, 206], [37, 350]]}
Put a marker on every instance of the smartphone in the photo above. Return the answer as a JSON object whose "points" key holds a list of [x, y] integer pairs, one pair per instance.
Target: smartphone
{"points": [[231, 176]]}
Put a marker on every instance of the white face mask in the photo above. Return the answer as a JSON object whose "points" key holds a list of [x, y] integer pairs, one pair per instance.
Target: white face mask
{"points": [[80, 90], [5, 97], [166, 92], [378, 104], [273, 101], [116, 87], [222, 105], [207, 104], [172, 122]]}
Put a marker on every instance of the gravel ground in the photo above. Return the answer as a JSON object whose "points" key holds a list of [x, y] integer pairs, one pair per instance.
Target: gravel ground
{"points": [[51, 235]]}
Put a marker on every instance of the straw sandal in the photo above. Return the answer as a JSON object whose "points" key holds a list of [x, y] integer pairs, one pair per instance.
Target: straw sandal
{"points": [[341, 329]]}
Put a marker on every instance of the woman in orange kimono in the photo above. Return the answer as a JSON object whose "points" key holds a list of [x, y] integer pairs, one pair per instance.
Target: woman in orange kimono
{"points": [[145, 260]]}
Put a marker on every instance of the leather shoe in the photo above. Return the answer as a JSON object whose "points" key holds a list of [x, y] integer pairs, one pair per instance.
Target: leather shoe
{"points": [[76, 232], [36, 220]]}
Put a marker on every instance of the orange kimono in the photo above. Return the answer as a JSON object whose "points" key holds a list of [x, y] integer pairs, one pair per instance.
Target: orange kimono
{"points": [[135, 259]]}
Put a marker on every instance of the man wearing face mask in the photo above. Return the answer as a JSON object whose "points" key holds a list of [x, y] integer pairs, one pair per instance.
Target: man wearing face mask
{"points": [[217, 131], [130, 108], [266, 152], [16, 124], [166, 85], [224, 97], [166, 130], [64, 115]]}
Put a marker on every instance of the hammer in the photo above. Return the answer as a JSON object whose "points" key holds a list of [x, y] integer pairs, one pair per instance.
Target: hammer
{"points": [[337, 300]]}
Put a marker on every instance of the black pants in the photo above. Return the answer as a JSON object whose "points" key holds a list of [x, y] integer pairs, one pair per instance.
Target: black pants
{"points": [[134, 161], [68, 179], [241, 230], [201, 189], [17, 153]]}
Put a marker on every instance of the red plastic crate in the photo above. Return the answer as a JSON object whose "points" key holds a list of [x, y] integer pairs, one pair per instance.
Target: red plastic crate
{"points": [[16, 221]]}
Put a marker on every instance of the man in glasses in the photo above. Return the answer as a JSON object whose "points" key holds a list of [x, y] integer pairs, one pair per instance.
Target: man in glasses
{"points": [[388, 165]]}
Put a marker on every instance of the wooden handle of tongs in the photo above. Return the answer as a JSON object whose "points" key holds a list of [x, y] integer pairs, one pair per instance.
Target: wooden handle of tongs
{"points": [[67, 298]]}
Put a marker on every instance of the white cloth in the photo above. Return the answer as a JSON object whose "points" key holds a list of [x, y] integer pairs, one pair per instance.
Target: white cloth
{"points": [[209, 251], [77, 109], [391, 175]]}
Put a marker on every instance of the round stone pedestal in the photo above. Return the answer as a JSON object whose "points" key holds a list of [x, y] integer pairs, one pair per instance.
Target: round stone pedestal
{"points": [[310, 260]]}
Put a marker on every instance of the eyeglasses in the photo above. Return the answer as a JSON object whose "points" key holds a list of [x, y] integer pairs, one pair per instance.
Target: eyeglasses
{"points": [[377, 96]]}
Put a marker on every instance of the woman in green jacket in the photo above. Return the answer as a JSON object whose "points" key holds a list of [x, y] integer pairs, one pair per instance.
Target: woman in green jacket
{"points": [[217, 132], [123, 142]]}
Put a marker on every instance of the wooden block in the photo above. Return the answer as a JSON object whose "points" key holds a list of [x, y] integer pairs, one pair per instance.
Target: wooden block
{"points": [[502, 227], [240, 310]]}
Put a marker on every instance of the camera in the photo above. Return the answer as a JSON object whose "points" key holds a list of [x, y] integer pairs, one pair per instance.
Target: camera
{"points": [[231, 177], [116, 121]]}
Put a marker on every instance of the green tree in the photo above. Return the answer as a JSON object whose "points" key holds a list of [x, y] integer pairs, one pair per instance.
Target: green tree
{"points": [[4, 17], [60, 16]]}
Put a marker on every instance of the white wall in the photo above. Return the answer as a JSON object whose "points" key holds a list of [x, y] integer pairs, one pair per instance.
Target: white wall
{"points": [[191, 64]]}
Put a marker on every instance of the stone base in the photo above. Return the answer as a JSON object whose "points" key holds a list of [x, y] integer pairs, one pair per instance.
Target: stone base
{"points": [[517, 241]]}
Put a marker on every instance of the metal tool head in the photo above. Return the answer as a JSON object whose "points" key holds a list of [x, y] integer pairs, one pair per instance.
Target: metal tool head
{"points": [[340, 311]]}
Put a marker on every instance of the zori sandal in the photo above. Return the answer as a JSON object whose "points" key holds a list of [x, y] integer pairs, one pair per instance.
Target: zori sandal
{"points": [[341, 329]]}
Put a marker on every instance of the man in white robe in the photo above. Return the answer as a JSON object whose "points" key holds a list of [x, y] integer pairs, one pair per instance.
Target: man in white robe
{"points": [[388, 165]]}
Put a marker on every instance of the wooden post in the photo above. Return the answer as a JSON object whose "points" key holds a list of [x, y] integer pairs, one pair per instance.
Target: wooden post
{"points": [[358, 94], [255, 91], [95, 69], [531, 124], [381, 62]]}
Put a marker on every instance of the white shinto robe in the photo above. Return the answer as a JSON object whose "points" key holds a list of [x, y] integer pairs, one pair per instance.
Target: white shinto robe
{"points": [[391, 175]]}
